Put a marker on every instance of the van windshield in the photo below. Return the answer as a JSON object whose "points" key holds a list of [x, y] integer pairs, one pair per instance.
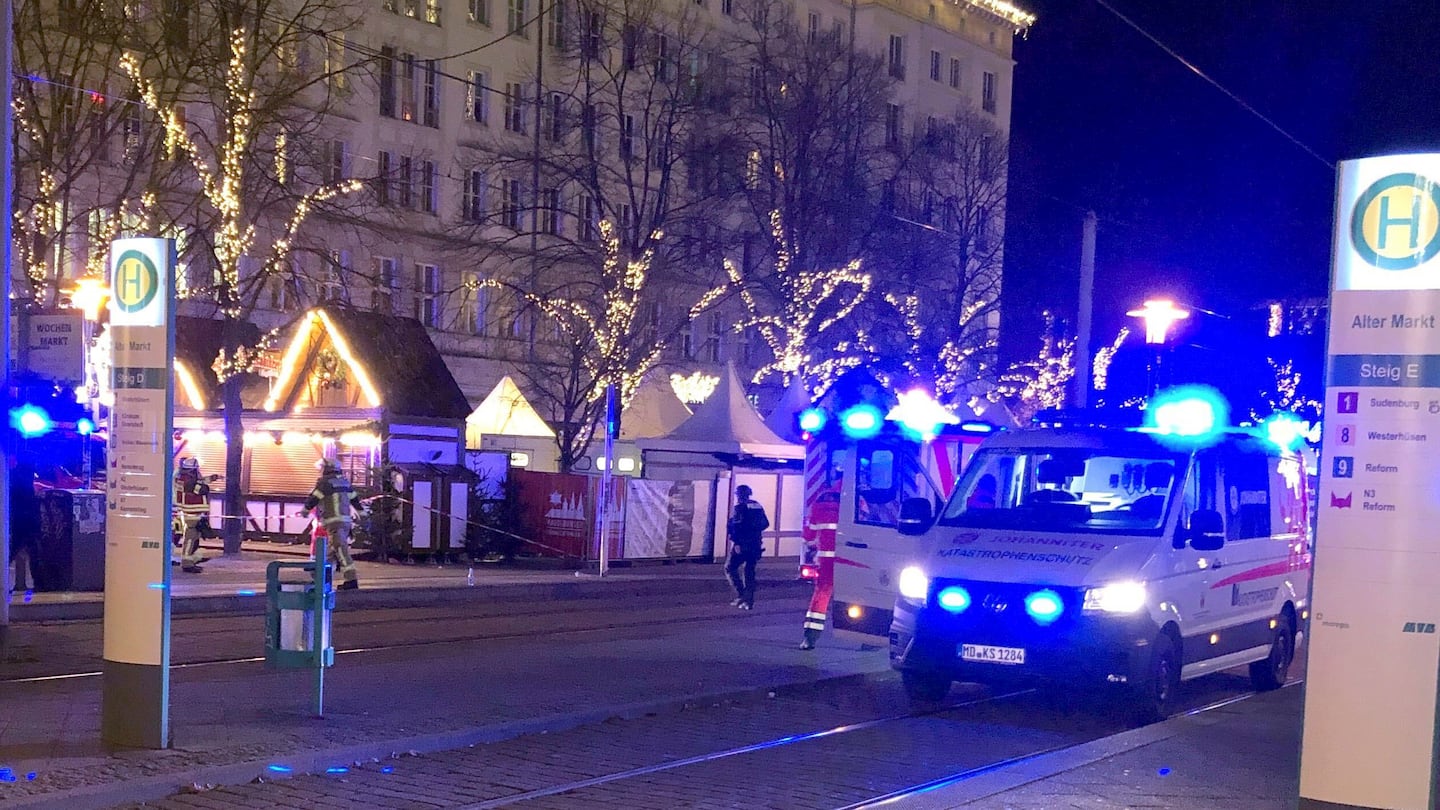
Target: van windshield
{"points": [[1066, 490]]}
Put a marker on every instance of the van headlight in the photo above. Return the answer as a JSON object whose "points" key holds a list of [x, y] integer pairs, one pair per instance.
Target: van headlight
{"points": [[1120, 597], [914, 584]]}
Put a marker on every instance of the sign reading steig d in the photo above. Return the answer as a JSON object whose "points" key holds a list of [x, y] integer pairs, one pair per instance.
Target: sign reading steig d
{"points": [[1388, 229]]}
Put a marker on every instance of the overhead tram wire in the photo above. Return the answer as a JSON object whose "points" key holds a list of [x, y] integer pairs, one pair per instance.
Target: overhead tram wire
{"points": [[1213, 83]]}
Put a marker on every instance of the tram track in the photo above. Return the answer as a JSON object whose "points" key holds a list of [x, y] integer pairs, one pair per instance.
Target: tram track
{"points": [[528, 633], [890, 799]]}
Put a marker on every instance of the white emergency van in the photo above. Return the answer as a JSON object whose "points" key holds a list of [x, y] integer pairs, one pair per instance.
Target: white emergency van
{"points": [[1095, 556], [881, 478]]}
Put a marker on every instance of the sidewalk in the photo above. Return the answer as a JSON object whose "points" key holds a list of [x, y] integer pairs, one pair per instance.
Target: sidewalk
{"points": [[236, 584], [1242, 756]]}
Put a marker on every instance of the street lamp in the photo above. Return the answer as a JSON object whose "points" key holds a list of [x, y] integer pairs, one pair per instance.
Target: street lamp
{"points": [[89, 296], [1159, 315]]}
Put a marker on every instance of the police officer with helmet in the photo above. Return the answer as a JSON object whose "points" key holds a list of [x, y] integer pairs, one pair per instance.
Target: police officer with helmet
{"points": [[335, 499]]}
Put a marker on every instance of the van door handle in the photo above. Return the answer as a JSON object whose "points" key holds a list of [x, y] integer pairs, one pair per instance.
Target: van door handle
{"points": [[853, 544]]}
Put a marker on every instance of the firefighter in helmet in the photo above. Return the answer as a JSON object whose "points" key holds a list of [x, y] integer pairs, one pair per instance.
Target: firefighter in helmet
{"points": [[191, 511], [335, 499], [820, 527]]}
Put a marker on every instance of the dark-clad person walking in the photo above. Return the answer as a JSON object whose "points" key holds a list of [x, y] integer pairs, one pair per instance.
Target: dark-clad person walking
{"points": [[24, 523], [746, 526]]}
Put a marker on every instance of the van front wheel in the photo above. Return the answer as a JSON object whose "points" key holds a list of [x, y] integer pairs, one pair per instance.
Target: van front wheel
{"points": [[925, 687], [1270, 674], [1153, 699]]}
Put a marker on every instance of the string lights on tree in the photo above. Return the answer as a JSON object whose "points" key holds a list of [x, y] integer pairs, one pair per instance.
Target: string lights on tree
{"points": [[606, 330], [1100, 373], [793, 332], [1041, 383]]}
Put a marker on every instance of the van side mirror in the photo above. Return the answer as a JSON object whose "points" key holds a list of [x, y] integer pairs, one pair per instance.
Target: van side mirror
{"points": [[1207, 530], [915, 516]]}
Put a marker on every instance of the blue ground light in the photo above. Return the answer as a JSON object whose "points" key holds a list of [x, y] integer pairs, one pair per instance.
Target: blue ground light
{"points": [[279, 768], [337, 770], [388, 769], [1164, 771]]}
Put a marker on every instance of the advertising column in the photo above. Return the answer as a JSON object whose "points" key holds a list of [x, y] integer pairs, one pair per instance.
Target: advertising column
{"points": [[1369, 737], [136, 692]]}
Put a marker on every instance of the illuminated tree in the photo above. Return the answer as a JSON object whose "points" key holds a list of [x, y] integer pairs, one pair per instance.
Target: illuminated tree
{"points": [[1042, 382], [808, 305], [245, 132], [84, 171], [1288, 393], [600, 341]]}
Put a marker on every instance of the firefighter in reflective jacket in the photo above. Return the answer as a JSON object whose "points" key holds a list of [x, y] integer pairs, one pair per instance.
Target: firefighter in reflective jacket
{"points": [[820, 527], [336, 501], [191, 510]]}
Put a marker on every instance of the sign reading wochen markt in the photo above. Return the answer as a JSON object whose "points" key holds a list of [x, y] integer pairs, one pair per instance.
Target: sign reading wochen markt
{"points": [[138, 495]]}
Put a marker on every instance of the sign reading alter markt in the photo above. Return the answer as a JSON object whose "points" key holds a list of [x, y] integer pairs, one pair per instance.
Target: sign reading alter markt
{"points": [[138, 495], [1374, 659]]}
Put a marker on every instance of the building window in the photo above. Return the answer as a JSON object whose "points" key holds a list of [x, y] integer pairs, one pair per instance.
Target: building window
{"points": [[812, 28], [432, 12], [472, 305], [627, 224], [897, 56], [429, 179], [432, 93], [630, 47], [383, 182], [589, 215], [752, 170], [387, 81], [515, 107], [687, 341], [473, 203], [954, 72], [512, 204], [627, 137], [477, 103], [664, 58], [554, 124], [516, 19], [405, 183], [589, 132], [555, 25], [894, 124], [550, 211], [480, 12], [594, 35], [989, 92], [387, 277], [337, 276], [427, 294], [714, 344], [727, 7], [934, 66], [335, 63], [337, 162], [409, 85]]}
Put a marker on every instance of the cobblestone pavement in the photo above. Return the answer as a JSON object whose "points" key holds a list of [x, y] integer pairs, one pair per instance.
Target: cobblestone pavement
{"points": [[827, 772], [224, 715]]}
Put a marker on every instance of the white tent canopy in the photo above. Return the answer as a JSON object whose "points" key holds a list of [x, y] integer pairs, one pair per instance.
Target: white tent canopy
{"points": [[726, 424], [505, 412], [653, 411], [783, 419]]}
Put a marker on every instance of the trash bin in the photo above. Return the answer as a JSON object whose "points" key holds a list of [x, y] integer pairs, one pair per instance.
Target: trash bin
{"points": [[292, 608], [72, 541], [297, 626]]}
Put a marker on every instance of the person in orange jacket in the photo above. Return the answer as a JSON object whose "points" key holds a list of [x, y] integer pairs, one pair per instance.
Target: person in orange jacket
{"points": [[820, 527]]}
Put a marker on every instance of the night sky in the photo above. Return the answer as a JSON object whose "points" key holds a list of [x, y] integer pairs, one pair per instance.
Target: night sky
{"points": [[1198, 198]]}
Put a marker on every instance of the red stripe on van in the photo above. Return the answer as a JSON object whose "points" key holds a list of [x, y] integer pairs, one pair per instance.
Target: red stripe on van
{"points": [[1269, 570]]}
